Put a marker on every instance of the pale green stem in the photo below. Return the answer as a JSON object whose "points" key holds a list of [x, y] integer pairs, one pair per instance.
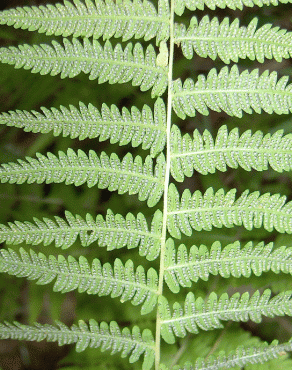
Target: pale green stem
{"points": [[166, 182]]}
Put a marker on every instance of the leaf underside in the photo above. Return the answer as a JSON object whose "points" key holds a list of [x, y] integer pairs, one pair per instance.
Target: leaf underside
{"points": [[117, 281], [129, 175], [94, 18], [112, 231], [108, 63], [133, 343]]}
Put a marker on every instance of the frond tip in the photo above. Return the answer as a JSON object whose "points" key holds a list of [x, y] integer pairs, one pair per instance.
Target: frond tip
{"points": [[198, 313], [112, 231], [117, 281], [232, 92], [206, 154], [107, 63], [132, 343], [129, 175], [98, 18], [123, 127], [183, 267]]}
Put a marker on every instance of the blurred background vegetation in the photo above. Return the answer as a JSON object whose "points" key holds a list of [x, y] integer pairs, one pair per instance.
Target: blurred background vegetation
{"points": [[27, 302]]}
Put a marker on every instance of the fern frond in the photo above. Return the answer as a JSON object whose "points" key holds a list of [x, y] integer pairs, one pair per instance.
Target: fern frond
{"points": [[183, 267], [232, 92], [114, 65], [208, 314], [230, 41], [180, 5], [98, 18], [113, 232], [129, 175], [133, 343], [87, 122], [249, 151], [205, 211], [242, 356], [117, 281]]}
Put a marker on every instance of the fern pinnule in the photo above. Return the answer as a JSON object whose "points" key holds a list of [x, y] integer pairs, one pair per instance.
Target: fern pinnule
{"points": [[182, 267], [206, 154], [94, 18], [130, 342], [118, 281], [241, 356], [129, 175], [180, 5], [112, 231], [114, 65], [233, 93], [119, 126], [230, 42], [198, 313], [204, 211]]}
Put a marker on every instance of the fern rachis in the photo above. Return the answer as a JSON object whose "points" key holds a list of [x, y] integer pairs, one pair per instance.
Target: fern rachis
{"points": [[170, 281]]}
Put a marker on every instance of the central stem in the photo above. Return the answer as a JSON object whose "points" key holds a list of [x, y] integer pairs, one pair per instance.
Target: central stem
{"points": [[166, 182]]}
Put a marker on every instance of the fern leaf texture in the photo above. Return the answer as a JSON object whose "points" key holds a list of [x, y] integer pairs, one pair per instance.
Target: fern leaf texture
{"points": [[257, 354], [114, 65], [127, 175], [232, 92], [94, 18], [207, 315], [229, 149], [118, 281], [183, 268], [133, 343], [123, 127], [203, 212], [114, 232], [229, 42], [180, 5]]}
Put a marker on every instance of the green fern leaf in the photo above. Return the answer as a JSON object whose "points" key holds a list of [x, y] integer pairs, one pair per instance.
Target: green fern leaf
{"points": [[87, 122], [118, 281], [180, 5], [131, 343], [242, 356], [207, 315], [205, 211], [249, 151], [181, 267], [127, 175], [233, 93], [113, 232], [98, 18], [114, 65], [230, 41]]}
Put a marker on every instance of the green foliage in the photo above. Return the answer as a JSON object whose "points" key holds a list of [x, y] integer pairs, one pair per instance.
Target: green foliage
{"points": [[197, 313], [112, 232], [182, 268], [114, 65], [156, 172], [131, 343], [229, 42], [213, 4], [87, 122], [96, 19], [232, 92], [228, 149], [118, 280], [129, 175]]}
